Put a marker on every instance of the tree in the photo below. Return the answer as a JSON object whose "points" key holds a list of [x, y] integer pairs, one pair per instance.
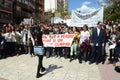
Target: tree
{"points": [[62, 12], [48, 16], [111, 12]]}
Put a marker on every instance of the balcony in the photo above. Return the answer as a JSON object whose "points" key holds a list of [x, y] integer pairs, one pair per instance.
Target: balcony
{"points": [[6, 10], [25, 7]]}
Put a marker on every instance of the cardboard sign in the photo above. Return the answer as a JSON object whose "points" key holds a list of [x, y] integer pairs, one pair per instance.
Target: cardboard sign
{"points": [[58, 40]]}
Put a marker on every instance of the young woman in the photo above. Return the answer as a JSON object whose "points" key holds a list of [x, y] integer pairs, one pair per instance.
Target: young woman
{"points": [[73, 48], [112, 44], [84, 43], [39, 42]]}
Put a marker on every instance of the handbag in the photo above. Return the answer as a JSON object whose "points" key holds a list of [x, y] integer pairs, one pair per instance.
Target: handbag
{"points": [[117, 69], [39, 50]]}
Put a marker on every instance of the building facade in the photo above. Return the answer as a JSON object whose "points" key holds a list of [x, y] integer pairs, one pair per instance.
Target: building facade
{"points": [[59, 5], [65, 5], [50, 5], [14, 11], [23, 9], [62, 5], [6, 11], [39, 12]]}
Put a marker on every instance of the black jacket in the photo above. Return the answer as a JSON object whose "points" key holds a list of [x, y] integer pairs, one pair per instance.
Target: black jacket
{"points": [[98, 39]]}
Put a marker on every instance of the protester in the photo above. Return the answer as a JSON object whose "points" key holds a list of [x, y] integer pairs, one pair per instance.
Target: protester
{"points": [[28, 40], [67, 49], [112, 44], [49, 50], [8, 28], [73, 48], [98, 39], [16, 36], [39, 42], [56, 30], [2, 44], [117, 48], [84, 44]]}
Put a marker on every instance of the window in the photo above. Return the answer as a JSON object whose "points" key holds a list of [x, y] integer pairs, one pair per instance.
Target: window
{"points": [[19, 1], [2, 2], [23, 1], [5, 16], [34, 0], [26, 2], [18, 8], [8, 5], [31, 5]]}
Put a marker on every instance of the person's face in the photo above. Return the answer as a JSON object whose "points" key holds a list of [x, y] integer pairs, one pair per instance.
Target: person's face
{"points": [[26, 27], [50, 28], [17, 29], [12, 28], [9, 25], [114, 30], [67, 29], [74, 29], [84, 28], [100, 25]]}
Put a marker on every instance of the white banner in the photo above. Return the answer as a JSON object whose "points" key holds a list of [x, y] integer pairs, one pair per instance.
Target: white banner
{"points": [[58, 40], [27, 21], [91, 18]]}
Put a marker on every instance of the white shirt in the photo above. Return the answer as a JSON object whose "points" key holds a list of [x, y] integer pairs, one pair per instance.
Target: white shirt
{"points": [[84, 35], [8, 37], [29, 36], [98, 31]]}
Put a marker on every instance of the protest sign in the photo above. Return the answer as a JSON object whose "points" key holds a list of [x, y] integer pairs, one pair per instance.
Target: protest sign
{"points": [[58, 40]]}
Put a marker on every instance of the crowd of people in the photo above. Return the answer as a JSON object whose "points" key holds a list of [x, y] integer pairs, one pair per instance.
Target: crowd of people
{"points": [[89, 43]]}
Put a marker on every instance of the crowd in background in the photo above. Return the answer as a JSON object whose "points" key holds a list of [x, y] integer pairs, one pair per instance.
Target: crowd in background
{"points": [[21, 40]]}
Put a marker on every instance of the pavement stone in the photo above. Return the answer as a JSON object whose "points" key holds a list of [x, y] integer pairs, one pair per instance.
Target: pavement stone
{"points": [[24, 67]]}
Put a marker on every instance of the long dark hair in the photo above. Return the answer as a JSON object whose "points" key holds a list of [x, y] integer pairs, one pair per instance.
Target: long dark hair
{"points": [[86, 26]]}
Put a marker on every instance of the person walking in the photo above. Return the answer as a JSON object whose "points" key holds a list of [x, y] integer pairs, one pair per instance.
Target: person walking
{"points": [[39, 42]]}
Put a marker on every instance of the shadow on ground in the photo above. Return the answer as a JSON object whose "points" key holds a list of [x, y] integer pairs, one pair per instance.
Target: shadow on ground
{"points": [[51, 68]]}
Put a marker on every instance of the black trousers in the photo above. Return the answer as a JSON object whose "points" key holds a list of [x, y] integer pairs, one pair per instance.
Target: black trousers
{"points": [[96, 54], [40, 63], [31, 49]]}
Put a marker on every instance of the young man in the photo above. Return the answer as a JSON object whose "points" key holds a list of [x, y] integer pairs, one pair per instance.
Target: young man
{"points": [[98, 39]]}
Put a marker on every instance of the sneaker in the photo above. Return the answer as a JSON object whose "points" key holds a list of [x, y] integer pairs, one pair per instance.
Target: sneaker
{"points": [[43, 69], [39, 75]]}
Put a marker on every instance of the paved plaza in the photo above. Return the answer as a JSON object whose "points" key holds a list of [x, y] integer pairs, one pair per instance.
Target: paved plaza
{"points": [[24, 67]]}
